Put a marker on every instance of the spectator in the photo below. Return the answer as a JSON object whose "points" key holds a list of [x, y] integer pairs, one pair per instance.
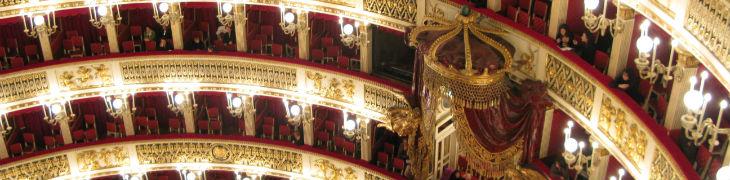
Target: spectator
{"points": [[628, 83], [198, 44], [150, 34], [564, 37], [585, 49], [559, 169], [164, 45], [298, 138], [224, 33]]}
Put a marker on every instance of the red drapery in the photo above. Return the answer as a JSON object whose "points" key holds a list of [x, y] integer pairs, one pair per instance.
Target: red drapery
{"points": [[519, 115]]}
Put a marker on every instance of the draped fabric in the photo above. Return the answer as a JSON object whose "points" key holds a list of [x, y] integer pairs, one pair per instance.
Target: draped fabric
{"points": [[208, 100], [90, 106], [519, 115], [324, 113], [28, 121], [158, 102]]}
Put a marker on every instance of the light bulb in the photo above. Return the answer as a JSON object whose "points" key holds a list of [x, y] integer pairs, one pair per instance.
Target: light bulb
{"points": [[101, 10], [581, 144], [348, 29], [570, 124], [134, 178], [612, 178], [117, 104], [227, 7], [656, 41], [704, 75], [723, 104], [693, 81], [236, 102], [693, 100], [707, 97], [621, 172], [56, 109], [179, 99], [675, 42], [723, 172], [357, 24], [191, 176], [566, 131], [340, 20], [644, 44], [571, 145], [295, 110], [595, 145], [591, 4], [289, 17], [164, 7], [38, 20], [645, 25], [349, 125]]}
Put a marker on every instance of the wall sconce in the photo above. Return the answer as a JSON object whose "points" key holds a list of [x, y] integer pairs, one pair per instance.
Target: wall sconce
{"points": [[35, 23], [350, 127], [288, 20], [350, 33], [177, 101], [117, 106], [58, 111], [4, 122], [595, 23], [166, 13], [102, 14], [228, 13], [293, 112], [576, 160], [651, 69], [621, 173], [235, 105]]}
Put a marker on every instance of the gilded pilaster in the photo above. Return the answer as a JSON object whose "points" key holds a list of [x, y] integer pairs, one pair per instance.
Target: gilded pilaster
{"points": [[46, 49], [65, 132], [176, 28], [111, 35], [249, 115], [366, 62], [240, 28], [365, 139], [546, 127], [303, 34], [308, 119], [675, 106], [621, 42], [3, 148], [127, 119], [599, 163], [189, 116]]}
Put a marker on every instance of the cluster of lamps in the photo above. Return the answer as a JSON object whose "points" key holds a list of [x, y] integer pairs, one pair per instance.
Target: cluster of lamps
{"points": [[647, 63], [350, 126], [117, 106], [235, 105], [288, 20], [601, 22], [39, 22], [165, 12], [5, 126], [350, 32], [293, 113], [101, 14], [177, 101], [228, 13], [573, 154], [58, 110]]}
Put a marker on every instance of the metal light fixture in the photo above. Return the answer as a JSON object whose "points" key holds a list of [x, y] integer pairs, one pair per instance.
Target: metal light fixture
{"points": [[228, 13], [293, 112], [177, 101], [288, 20], [350, 33], [350, 127], [235, 105], [101, 14], [39, 22], [4, 122], [165, 12], [576, 160], [117, 106], [58, 110], [600, 23], [621, 173], [697, 127], [650, 69]]}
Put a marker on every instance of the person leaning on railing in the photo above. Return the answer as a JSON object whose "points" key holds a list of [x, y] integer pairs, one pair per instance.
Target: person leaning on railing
{"points": [[629, 83]]}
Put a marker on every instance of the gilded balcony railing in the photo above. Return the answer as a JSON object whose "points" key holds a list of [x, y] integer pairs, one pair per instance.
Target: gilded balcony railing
{"points": [[709, 21]]}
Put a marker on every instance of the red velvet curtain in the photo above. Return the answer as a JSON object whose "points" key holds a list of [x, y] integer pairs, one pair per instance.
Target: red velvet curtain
{"points": [[28, 121], [208, 100], [91, 106], [518, 116], [157, 101]]}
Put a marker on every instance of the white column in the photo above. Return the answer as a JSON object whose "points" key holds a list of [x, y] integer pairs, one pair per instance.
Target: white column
{"points": [[303, 34], [366, 62], [308, 120], [365, 140], [546, 128], [680, 85], [621, 43], [249, 116], [558, 14], [240, 27], [3, 148], [46, 49], [111, 35], [65, 132], [176, 27], [421, 11], [189, 116], [128, 119], [599, 164]]}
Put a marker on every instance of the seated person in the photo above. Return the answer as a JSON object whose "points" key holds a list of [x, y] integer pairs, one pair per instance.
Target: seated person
{"points": [[585, 49], [224, 33], [164, 45], [150, 34], [564, 37], [197, 44], [628, 83]]}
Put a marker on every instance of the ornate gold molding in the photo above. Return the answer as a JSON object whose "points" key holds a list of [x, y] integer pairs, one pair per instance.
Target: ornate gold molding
{"points": [[399, 9], [85, 77], [331, 87], [661, 169], [23, 86], [41, 168], [329, 171], [570, 85], [624, 134], [378, 99], [102, 158]]}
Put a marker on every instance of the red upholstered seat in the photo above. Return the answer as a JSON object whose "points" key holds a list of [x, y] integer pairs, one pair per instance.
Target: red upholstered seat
{"points": [[332, 53], [203, 126], [90, 135], [284, 132], [49, 141], [343, 62], [383, 159], [538, 25], [29, 140], [31, 51], [216, 125], [389, 148], [150, 46], [218, 45], [339, 143], [523, 18], [128, 46], [135, 31], [78, 135], [97, 49], [268, 130], [399, 165], [16, 62], [268, 31], [524, 5], [269, 121], [541, 9], [90, 120], [277, 50], [174, 124], [601, 61], [317, 55], [327, 41], [330, 126], [349, 148], [154, 126], [16, 149], [255, 46], [213, 114], [512, 13], [111, 129]]}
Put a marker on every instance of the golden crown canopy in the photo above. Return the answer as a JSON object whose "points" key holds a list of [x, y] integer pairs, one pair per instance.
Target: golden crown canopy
{"points": [[469, 60]]}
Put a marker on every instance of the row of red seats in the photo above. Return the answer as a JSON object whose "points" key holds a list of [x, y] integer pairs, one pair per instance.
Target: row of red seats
{"points": [[389, 160], [524, 12]]}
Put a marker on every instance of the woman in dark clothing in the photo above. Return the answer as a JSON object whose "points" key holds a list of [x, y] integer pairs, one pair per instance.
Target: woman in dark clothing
{"points": [[559, 169], [564, 38], [585, 48], [629, 83]]}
